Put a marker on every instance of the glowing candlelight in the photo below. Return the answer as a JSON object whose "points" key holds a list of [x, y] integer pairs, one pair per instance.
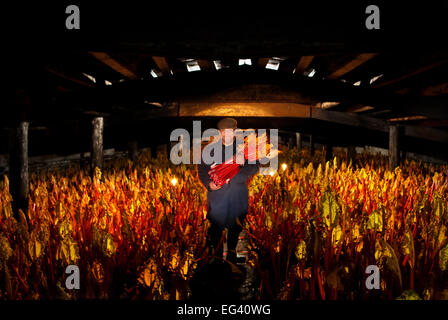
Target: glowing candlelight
{"points": [[284, 166], [174, 182], [271, 173]]}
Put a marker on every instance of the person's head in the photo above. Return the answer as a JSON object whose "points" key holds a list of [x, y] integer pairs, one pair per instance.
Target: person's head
{"points": [[227, 128]]}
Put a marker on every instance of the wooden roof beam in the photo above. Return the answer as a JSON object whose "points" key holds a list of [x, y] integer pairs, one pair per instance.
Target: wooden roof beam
{"points": [[245, 109], [303, 64], [410, 74], [435, 90], [432, 123], [114, 64], [206, 108], [162, 64], [66, 77], [262, 62], [205, 64], [263, 85], [351, 65], [351, 119]]}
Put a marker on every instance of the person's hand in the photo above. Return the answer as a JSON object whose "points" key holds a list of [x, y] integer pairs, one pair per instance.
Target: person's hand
{"points": [[213, 186]]}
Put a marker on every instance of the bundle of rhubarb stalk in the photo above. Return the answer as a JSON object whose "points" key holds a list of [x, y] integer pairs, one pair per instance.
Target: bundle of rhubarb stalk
{"points": [[253, 149]]}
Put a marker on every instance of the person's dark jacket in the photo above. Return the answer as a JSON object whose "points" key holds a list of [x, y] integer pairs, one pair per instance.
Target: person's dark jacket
{"points": [[232, 199]]}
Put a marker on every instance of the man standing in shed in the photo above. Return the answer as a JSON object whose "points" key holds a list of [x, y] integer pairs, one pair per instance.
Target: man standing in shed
{"points": [[227, 205]]}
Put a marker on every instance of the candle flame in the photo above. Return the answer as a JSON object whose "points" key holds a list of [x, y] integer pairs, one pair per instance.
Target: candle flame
{"points": [[284, 166], [174, 181]]}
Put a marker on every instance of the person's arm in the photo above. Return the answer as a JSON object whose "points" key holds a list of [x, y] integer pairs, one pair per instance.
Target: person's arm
{"points": [[250, 169], [245, 172]]}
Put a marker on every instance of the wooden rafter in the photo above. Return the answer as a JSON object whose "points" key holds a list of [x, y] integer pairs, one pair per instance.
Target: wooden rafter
{"points": [[262, 62], [205, 64], [206, 108], [358, 108], [378, 124], [303, 64], [162, 64], [435, 90], [257, 109], [349, 119], [66, 77], [432, 123], [426, 133], [411, 74], [114, 64], [62, 88], [409, 118], [263, 85], [351, 65]]}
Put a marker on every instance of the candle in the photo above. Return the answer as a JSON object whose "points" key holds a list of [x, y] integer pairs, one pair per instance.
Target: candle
{"points": [[174, 182]]}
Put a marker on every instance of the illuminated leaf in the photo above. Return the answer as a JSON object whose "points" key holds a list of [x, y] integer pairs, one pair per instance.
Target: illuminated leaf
{"points": [[65, 229], [409, 295], [174, 261], [98, 271], [408, 247], [109, 246], [149, 276], [5, 249], [184, 270], [330, 209], [34, 249], [443, 258], [375, 221], [359, 247], [386, 256], [336, 236], [301, 250]]}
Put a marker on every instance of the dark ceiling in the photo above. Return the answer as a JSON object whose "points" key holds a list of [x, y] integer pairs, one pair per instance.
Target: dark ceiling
{"points": [[50, 70]]}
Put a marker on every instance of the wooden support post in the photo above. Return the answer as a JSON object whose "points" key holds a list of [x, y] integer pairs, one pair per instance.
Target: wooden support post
{"points": [[404, 155], [97, 143], [18, 167], [133, 150], [311, 145], [299, 141], [291, 142], [328, 152], [394, 151]]}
